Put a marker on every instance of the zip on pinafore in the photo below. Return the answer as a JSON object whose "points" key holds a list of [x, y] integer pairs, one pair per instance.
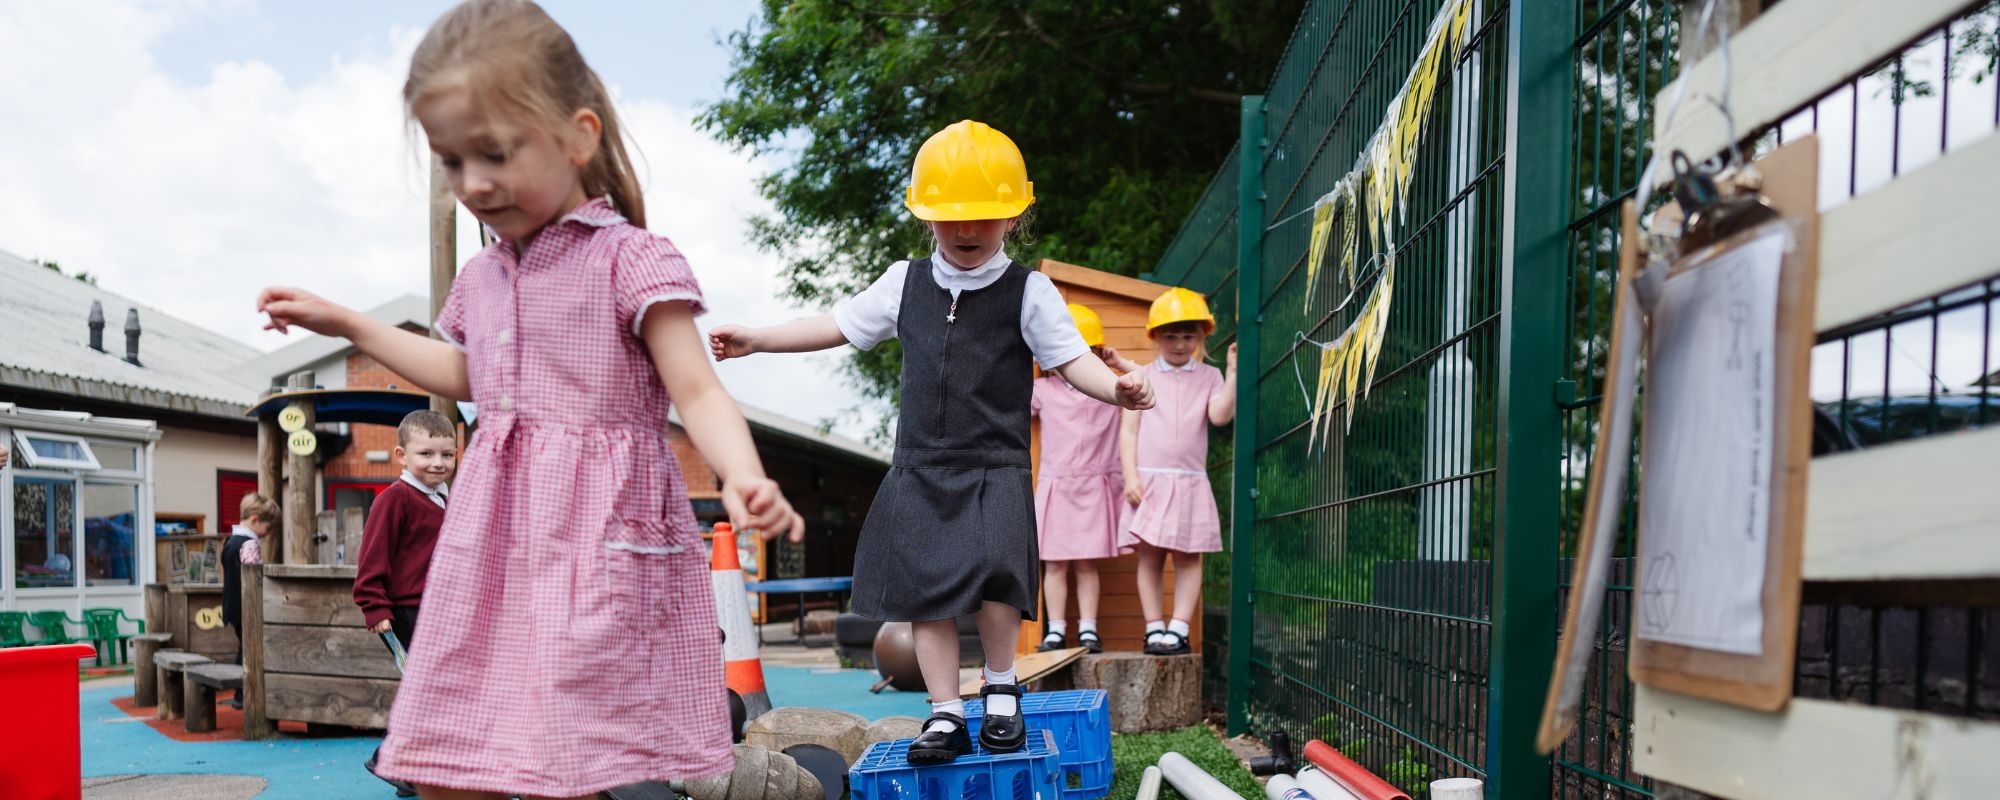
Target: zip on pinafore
{"points": [[944, 357]]}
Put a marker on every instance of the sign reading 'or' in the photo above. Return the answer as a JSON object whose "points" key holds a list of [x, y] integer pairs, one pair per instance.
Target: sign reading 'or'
{"points": [[292, 419], [302, 443]]}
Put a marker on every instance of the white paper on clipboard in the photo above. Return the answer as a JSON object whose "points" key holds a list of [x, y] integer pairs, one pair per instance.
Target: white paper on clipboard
{"points": [[1705, 490]]}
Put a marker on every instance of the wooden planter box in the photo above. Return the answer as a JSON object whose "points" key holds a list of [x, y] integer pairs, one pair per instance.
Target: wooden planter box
{"points": [[307, 656]]}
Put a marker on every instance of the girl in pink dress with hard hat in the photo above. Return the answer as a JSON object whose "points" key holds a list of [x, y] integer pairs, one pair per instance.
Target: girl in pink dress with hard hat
{"points": [[1079, 498], [1165, 453]]}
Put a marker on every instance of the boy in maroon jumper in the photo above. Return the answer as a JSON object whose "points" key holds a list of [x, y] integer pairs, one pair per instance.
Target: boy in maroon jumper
{"points": [[403, 529], [403, 526]]}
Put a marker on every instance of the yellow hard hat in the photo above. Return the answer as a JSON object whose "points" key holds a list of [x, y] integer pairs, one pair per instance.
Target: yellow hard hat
{"points": [[1179, 305], [1088, 324], [968, 171]]}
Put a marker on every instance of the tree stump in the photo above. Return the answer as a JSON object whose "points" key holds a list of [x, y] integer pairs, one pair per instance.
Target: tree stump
{"points": [[1145, 693], [889, 729], [760, 774], [145, 684], [839, 731]]}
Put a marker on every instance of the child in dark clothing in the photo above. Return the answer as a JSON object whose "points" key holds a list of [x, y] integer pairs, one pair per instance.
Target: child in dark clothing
{"points": [[257, 515], [402, 531], [403, 526]]}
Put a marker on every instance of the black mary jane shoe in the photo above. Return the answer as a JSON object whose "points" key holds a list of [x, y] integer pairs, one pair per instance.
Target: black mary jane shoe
{"points": [[1090, 642], [1171, 644], [1000, 734], [941, 747], [1052, 641]]}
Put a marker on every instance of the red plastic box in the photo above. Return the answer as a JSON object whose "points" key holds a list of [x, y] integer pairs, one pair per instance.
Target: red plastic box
{"points": [[40, 748]]}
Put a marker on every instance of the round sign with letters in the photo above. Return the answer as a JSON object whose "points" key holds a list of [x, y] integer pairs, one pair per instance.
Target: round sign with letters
{"points": [[302, 443], [292, 419]]}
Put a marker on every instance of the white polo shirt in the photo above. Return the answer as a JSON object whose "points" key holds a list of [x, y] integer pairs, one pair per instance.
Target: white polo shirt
{"points": [[869, 318]]}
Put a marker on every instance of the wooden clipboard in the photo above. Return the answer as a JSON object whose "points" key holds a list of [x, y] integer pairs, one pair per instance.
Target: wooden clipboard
{"points": [[1764, 681], [1607, 462]]}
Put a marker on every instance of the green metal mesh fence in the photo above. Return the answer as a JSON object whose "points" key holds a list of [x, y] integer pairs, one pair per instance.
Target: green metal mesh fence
{"points": [[1625, 52], [1372, 571]]}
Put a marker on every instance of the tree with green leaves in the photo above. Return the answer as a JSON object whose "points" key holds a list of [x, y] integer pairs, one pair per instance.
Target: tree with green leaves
{"points": [[1122, 107]]}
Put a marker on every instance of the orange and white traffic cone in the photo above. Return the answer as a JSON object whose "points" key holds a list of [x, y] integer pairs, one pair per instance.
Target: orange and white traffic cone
{"points": [[743, 672]]}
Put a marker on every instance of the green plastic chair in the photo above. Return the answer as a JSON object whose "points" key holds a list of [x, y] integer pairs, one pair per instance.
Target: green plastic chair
{"points": [[102, 624], [54, 626], [12, 632]]}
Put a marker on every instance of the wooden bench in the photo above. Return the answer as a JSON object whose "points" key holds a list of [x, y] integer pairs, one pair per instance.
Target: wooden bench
{"points": [[199, 688], [168, 665], [145, 684]]}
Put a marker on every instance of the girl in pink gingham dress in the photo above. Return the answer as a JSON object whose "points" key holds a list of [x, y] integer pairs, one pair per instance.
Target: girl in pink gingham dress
{"points": [[569, 639], [1165, 457]]}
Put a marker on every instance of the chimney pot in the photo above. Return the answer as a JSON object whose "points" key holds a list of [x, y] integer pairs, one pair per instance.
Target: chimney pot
{"points": [[97, 326], [132, 337]]}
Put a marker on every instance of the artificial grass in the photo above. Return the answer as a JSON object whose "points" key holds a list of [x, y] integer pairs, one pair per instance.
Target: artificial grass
{"points": [[1132, 753]]}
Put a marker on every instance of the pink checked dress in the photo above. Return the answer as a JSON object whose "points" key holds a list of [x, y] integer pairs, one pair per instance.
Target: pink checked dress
{"points": [[1079, 491], [1177, 508], [569, 635]]}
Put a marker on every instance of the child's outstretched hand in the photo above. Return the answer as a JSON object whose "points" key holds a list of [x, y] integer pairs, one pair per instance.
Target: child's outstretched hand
{"points": [[1230, 362], [288, 306], [731, 341], [1134, 391], [757, 504]]}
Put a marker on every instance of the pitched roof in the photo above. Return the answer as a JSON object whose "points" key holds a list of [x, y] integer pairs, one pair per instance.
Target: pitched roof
{"points": [[46, 347]]}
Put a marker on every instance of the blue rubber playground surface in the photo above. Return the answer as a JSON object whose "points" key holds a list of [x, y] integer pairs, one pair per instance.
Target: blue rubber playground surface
{"points": [[329, 768]]}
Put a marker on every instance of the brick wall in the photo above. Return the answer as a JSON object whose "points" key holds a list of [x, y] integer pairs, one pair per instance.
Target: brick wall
{"points": [[367, 373], [694, 469]]}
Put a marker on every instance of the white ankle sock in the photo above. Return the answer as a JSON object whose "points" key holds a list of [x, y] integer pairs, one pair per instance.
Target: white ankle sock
{"points": [[956, 707], [1154, 630], [1002, 704], [1179, 626], [1057, 627], [1086, 624]]}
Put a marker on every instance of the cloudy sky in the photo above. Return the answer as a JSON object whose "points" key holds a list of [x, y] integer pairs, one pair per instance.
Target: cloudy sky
{"points": [[188, 153]]}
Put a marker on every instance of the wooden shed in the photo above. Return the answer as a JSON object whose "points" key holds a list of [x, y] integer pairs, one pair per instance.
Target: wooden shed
{"points": [[1122, 303]]}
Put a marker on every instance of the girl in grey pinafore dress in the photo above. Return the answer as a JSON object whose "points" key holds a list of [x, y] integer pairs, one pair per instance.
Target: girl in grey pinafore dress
{"points": [[953, 524]]}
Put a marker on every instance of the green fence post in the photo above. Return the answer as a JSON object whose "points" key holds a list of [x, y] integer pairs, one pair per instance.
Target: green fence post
{"points": [[1249, 304], [1540, 90]]}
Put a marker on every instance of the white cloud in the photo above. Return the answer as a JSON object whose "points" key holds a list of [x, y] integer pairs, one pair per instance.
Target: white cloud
{"points": [[190, 196]]}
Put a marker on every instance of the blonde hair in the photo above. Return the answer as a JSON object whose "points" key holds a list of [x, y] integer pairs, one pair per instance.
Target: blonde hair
{"points": [[257, 506], [509, 54]]}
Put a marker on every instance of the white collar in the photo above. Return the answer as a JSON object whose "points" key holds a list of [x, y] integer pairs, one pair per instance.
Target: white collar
{"points": [[442, 492], [1162, 365], [240, 529], [946, 273]]}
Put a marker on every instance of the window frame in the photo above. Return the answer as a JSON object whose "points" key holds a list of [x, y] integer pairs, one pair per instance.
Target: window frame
{"points": [[25, 450]]}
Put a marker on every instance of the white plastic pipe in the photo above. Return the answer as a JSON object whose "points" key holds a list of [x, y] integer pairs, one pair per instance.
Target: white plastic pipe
{"points": [[1194, 783], [1149, 784], [1458, 789], [1286, 787], [1323, 787]]}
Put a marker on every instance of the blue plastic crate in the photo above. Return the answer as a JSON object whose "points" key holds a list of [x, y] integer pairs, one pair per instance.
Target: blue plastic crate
{"points": [[884, 772], [1080, 720]]}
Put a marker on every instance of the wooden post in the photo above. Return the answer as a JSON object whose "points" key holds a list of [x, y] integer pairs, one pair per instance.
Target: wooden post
{"points": [[270, 456], [444, 261], [351, 523], [255, 725], [156, 608], [326, 531], [197, 705], [301, 485]]}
